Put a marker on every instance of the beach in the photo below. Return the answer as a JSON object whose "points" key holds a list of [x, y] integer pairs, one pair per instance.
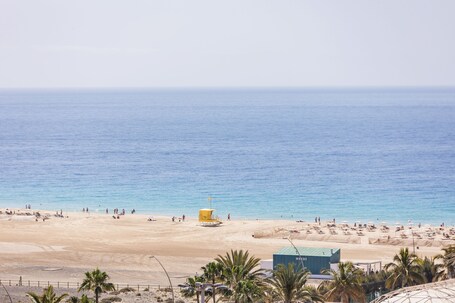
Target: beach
{"points": [[62, 248]]}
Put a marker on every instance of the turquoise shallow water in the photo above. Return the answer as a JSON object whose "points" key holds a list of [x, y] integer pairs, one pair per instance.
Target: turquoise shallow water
{"points": [[386, 155]]}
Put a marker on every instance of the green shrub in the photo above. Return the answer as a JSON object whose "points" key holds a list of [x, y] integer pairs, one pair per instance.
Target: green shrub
{"points": [[111, 300], [127, 289]]}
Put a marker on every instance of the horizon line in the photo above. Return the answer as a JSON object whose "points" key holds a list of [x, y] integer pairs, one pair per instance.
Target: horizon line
{"points": [[215, 88]]}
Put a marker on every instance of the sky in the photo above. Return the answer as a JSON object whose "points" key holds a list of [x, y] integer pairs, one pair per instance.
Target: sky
{"points": [[232, 43]]}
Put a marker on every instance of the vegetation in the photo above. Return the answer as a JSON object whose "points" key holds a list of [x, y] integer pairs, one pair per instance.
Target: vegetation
{"points": [[96, 281], [405, 270], [73, 299], [190, 289], [346, 284], [213, 272], [449, 260], [288, 285], [431, 270], [83, 299], [242, 281], [48, 296], [236, 277], [111, 300], [241, 275]]}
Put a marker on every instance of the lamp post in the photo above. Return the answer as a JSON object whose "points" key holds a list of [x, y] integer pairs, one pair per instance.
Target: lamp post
{"points": [[7, 293], [300, 257], [169, 278]]}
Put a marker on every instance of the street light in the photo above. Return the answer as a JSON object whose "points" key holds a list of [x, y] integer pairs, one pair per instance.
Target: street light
{"points": [[6, 292], [300, 257], [169, 278]]}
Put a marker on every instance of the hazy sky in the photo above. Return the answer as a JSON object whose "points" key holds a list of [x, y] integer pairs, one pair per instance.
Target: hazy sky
{"points": [[207, 43]]}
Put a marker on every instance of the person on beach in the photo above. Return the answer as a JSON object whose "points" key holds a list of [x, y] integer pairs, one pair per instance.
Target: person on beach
{"points": [[107, 211], [183, 218], [229, 217]]}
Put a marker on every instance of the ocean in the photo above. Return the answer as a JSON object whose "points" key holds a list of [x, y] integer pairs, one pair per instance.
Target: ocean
{"points": [[350, 154]]}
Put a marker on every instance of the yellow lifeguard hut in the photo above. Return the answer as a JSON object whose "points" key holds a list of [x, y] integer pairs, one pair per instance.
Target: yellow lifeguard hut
{"points": [[206, 217]]}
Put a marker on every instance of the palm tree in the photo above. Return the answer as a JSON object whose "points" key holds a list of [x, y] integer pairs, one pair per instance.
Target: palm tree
{"points": [[73, 299], [268, 294], [48, 296], [449, 260], [96, 281], [431, 271], [190, 289], [345, 284], [289, 284], [85, 299], [404, 270], [247, 291], [212, 273], [241, 275], [314, 294]]}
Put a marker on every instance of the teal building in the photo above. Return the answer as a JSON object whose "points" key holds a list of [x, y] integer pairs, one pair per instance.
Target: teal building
{"points": [[313, 259]]}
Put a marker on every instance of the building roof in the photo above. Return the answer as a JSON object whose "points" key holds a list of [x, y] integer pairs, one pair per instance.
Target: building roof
{"points": [[438, 292], [307, 251]]}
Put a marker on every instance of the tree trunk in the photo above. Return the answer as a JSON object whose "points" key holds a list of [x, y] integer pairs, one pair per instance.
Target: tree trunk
{"points": [[197, 296], [344, 299], [213, 288], [96, 296]]}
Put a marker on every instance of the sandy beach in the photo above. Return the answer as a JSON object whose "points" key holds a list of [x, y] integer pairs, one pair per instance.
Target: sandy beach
{"points": [[63, 248]]}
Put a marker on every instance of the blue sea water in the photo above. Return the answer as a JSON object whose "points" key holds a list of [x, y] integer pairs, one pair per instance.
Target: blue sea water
{"points": [[365, 154]]}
